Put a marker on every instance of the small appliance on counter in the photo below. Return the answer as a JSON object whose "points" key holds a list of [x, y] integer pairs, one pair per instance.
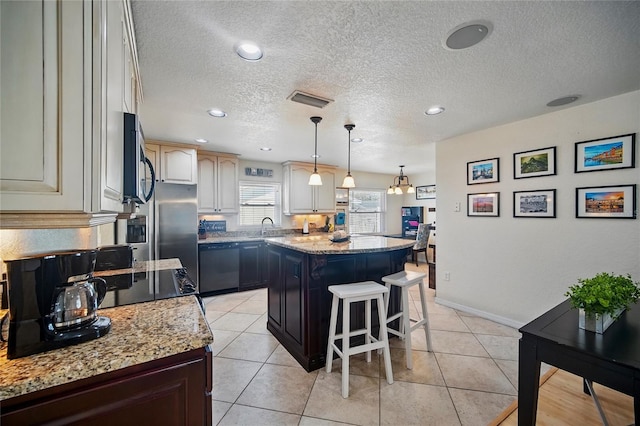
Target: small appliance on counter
{"points": [[113, 258], [53, 302]]}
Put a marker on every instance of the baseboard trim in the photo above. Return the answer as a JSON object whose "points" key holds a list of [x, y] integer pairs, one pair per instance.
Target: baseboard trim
{"points": [[482, 314]]}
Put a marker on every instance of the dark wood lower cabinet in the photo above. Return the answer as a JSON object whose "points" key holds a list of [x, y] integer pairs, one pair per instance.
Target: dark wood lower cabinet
{"points": [[171, 391], [252, 265], [299, 304]]}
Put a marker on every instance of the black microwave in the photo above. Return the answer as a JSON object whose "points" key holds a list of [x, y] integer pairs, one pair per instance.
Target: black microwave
{"points": [[136, 188]]}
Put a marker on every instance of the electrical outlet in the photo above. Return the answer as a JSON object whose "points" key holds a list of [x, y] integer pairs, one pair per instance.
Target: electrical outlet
{"points": [[447, 276], [457, 207]]}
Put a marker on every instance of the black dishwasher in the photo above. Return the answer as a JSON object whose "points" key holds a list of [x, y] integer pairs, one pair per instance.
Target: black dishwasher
{"points": [[219, 267]]}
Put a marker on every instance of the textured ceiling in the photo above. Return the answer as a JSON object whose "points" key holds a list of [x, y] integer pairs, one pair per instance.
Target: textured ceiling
{"points": [[382, 62]]}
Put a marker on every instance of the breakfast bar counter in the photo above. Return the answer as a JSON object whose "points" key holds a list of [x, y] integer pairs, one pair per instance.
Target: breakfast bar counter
{"points": [[152, 351], [301, 268]]}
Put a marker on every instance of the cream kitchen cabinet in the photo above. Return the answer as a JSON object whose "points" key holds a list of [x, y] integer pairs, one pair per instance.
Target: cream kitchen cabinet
{"points": [[173, 163], [217, 183], [63, 81], [302, 198]]}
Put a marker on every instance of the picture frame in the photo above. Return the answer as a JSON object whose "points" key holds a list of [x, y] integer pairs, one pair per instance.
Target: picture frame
{"points": [[483, 171], [483, 204], [606, 202], [538, 203], [616, 152], [425, 192], [534, 163]]}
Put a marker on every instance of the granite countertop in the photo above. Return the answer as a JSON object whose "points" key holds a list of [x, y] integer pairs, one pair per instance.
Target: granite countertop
{"points": [[321, 244], [139, 333], [143, 266], [240, 239]]}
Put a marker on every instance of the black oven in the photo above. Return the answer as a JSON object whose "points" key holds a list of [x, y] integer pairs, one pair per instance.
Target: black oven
{"points": [[136, 188]]}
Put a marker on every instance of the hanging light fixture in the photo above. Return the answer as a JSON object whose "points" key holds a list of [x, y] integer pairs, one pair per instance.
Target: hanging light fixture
{"points": [[348, 181], [400, 182], [315, 178]]}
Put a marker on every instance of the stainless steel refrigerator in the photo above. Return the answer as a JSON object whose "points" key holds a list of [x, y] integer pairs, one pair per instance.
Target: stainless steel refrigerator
{"points": [[173, 211]]}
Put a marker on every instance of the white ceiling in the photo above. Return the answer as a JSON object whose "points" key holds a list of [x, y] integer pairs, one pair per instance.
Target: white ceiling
{"points": [[382, 62]]}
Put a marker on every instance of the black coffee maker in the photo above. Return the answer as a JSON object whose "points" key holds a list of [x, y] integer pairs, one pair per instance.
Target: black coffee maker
{"points": [[53, 302]]}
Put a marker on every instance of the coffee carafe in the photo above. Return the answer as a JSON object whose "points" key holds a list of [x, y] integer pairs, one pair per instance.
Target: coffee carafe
{"points": [[53, 302], [77, 304]]}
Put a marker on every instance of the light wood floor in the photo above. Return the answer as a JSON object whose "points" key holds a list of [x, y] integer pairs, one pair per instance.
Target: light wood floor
{"points": [[562, 402]]}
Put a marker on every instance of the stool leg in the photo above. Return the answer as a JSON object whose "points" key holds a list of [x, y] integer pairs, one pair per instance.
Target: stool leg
{"points": [[386, 313], [367, 319], [346, 306], [332, 332], [385, 338], [406, 327], [425, 316]]}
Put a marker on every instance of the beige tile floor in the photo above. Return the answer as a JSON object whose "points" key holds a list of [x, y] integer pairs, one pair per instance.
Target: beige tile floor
{"points": [[469, 378]]}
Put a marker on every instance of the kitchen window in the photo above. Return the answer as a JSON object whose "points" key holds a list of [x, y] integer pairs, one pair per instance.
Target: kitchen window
{"points": [[367, 208], [258, 201]]}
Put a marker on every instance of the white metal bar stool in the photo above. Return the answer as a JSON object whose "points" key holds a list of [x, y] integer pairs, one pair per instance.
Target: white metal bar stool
{"points": [[350, 293], [405, 280]]}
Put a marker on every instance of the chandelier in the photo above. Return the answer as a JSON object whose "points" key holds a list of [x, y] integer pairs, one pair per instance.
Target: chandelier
{"points": [[400, 182]]}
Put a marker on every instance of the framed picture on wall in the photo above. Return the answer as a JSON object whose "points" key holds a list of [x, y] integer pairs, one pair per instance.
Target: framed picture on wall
{"points": [[425, 192], [606, 202], [540, 203], [484, 204], [617, 152], [539, 162], [483, 171]]}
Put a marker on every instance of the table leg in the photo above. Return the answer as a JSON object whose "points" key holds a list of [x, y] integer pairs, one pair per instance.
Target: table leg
{"points": [[636, 399], [528, 382]]}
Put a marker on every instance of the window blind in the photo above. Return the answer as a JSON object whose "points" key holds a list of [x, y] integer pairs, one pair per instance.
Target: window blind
{"points": [[258, 201], [366, 210]]}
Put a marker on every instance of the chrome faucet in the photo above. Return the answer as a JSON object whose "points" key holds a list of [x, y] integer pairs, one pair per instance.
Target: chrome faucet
{"points": [[262, 224]]}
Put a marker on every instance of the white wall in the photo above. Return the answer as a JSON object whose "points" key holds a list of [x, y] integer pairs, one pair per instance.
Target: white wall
{"points": [[514, 269]]}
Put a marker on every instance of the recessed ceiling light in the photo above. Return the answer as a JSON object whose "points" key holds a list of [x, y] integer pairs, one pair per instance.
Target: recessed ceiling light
{"points": [[201, 140], [217, 113], [434, 110], [248, 51], [468, 34], [265, 148], [357, 140], [563, 101]]}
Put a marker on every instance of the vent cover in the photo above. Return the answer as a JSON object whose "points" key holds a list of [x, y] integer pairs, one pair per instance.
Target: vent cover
{"points": [[307, 99]]}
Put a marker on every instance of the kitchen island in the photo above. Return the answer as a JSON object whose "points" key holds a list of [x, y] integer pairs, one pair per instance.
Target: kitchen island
{"points": [[153, 367], [300, 269]]}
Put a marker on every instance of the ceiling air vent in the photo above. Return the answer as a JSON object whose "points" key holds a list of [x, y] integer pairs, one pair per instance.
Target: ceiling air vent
{"points": [[307, 99]]}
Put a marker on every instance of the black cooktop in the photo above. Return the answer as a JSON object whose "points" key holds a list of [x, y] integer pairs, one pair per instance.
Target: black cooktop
{"points": [[126, 289]]}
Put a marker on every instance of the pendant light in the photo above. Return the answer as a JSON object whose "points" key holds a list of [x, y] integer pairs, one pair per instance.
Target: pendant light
{"points": [[315, 178], [348, 181]]}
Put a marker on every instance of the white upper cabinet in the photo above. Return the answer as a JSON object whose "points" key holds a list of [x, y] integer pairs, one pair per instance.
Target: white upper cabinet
{"points": [[217, 183], [302, 198], [66, 66], [173, 163], [43, 118], [109, 78]]}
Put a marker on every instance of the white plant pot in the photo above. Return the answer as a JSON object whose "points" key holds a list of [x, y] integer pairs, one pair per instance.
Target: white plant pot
{"points": [[596, 323]]}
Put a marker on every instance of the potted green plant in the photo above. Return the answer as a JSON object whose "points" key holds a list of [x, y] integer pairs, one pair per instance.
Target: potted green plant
{"points": [[600, 300]]}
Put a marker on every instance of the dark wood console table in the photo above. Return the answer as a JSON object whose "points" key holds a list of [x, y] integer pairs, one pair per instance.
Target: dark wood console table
{"points": [[611, 359]]}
